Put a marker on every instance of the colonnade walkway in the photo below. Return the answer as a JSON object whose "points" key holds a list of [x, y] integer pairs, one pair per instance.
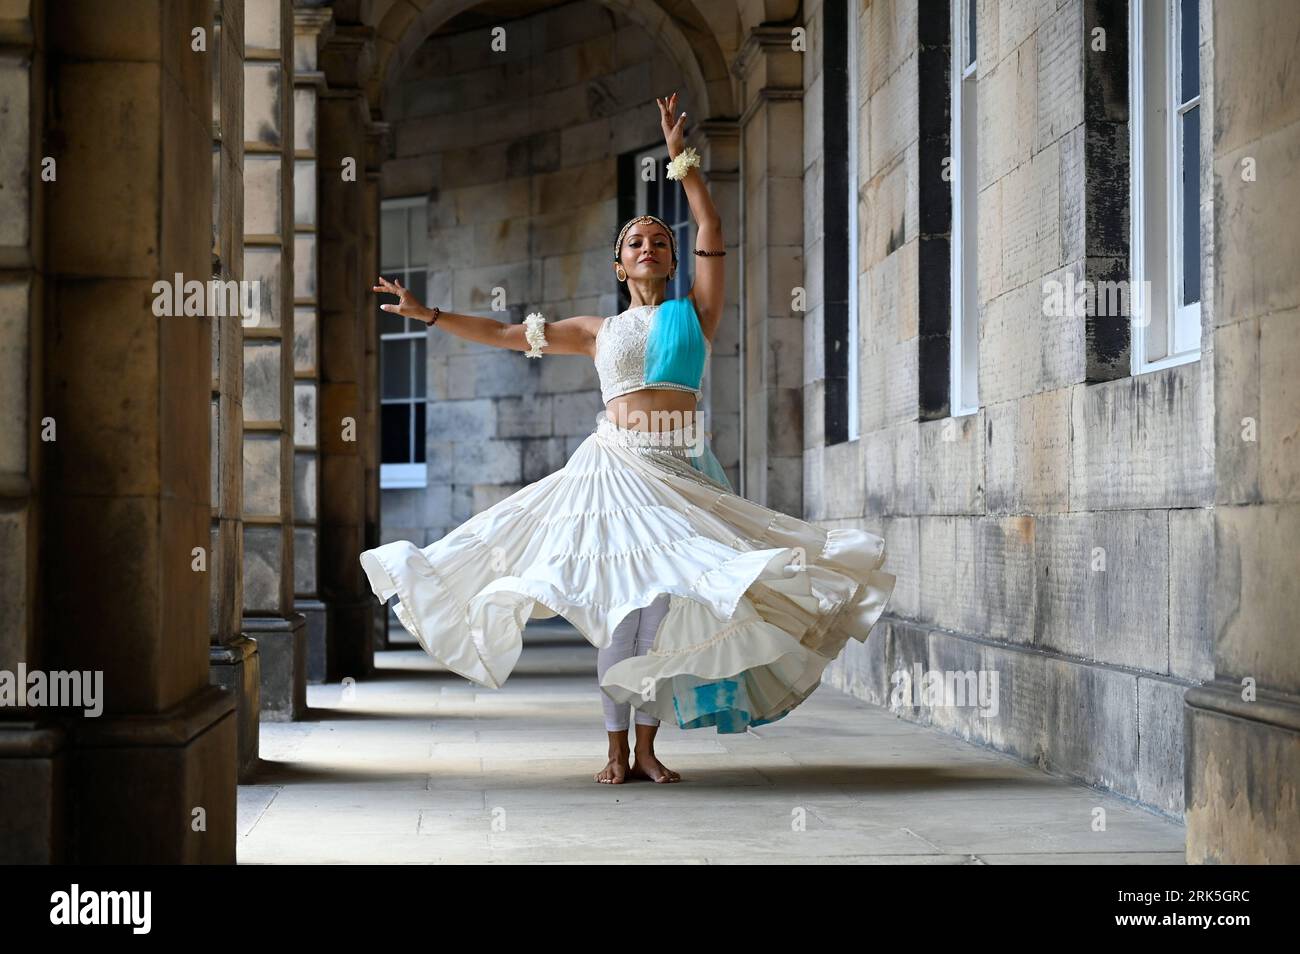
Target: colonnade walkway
{"points": [[417, 765]]}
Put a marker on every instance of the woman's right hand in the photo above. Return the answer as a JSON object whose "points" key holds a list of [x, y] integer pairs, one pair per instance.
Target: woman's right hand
{"points": [[407, 304]]}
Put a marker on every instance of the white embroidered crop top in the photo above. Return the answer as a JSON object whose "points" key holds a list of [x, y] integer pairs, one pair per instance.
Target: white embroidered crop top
{"points": [[629, 357]]}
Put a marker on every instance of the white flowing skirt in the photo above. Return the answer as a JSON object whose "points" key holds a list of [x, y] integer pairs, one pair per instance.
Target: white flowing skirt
{"points": [[760, 601]]}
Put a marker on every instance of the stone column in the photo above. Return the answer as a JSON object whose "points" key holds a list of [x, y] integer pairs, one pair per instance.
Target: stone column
{"points": [[232, 655], [33, 750], [345, 266], [121, 459], [367, 312], [1242, 730], [269, 615], [771, 267], [308, 25]]}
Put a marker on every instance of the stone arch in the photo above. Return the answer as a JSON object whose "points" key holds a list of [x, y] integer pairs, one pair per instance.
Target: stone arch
{"points": [[684, 46], [689, 37]]}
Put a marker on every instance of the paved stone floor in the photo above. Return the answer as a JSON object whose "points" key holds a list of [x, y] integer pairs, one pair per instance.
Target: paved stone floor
{"points": [[420, 766]]}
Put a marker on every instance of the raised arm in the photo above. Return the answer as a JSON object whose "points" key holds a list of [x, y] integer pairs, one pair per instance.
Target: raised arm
{"points": [[708, 291], [575, 335]]}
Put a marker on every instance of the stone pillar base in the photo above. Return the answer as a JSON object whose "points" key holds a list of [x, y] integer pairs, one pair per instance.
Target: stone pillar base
{"points": [[1241, 762], [33, 778], [236, 666], [160, 788], [313, 611], [282, 648]]}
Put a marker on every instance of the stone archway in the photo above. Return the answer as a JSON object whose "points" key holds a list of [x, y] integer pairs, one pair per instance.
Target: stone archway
{"points": [[689, 36], [738, 60]]}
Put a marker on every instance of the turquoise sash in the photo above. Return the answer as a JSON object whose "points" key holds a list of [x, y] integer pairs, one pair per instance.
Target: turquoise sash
{"points": [[675, 348]]}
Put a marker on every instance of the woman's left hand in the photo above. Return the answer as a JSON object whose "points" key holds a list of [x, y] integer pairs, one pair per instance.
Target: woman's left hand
{"points": [[674, 132]]}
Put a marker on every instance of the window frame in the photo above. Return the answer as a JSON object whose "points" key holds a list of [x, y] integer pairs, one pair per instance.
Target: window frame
{"points": [[413, 474], [963, 360], [1173, 322]]}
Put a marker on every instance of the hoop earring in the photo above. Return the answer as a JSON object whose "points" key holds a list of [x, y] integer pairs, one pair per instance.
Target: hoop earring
{"points": [[622, 275]]}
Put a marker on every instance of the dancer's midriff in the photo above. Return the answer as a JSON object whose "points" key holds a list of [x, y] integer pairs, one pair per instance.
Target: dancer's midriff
{"points": [[653, 409]]}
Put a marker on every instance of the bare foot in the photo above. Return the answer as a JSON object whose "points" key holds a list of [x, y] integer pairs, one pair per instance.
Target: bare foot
{"points": [[648, 767], [615, 770]]}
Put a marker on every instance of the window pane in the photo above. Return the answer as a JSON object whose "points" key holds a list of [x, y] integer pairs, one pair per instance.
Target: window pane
{"points": [[418, 377], [395, 433], [1189, 44], [417, 281], [652, 194], [1191, 238], [970, 32], [419, 236], [392, 238], [395, 368], [389, 323], [419, 431]]}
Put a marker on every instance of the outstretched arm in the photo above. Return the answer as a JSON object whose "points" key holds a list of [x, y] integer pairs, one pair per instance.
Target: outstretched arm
{"points": [[710, 273], [569, 336]]}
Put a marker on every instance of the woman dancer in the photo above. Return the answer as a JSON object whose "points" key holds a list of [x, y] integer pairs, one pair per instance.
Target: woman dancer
{"points": [[704, 607]]}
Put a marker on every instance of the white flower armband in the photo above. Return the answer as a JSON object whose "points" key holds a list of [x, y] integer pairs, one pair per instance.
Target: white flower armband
{"points": [[680, 166], [535, 333]]}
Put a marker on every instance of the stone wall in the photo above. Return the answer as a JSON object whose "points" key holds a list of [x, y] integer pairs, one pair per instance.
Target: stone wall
{"points": [[1061, 535], [1243, 729]]}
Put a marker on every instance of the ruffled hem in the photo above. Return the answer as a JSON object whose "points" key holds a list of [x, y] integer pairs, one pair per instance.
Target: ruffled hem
{"points": [[754, 672], [748, 633]]}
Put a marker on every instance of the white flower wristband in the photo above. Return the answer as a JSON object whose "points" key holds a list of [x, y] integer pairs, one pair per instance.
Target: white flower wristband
{"points": [[535, 334], [679, 167]]}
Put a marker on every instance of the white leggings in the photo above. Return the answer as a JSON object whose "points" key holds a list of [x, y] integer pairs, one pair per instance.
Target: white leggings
{"points": [[632, 637]]}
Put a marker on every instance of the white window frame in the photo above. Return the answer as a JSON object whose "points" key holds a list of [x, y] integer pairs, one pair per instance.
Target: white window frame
{"points": [[854, 328], [963, 361], [683, 228], [411, 475], [1172, 331]]}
